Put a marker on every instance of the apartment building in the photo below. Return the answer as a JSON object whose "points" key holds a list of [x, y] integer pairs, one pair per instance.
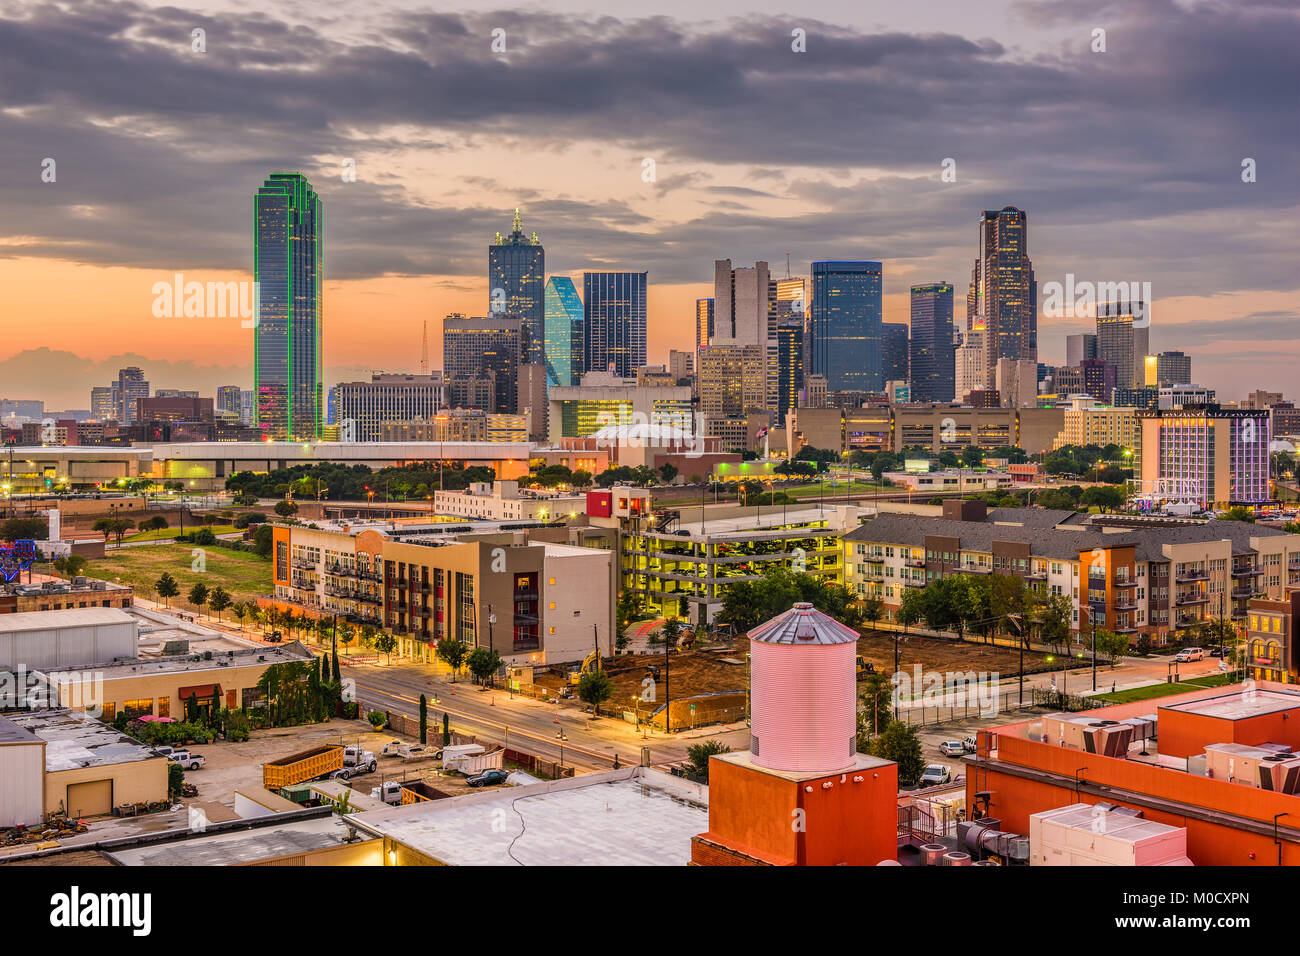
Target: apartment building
{"points": [[1205, 455], [503, 501], [529, 600], [1132, 575], [1087, 423]]}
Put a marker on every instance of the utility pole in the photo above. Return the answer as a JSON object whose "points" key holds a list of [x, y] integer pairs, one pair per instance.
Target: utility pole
{"points": [[668, 712], [1092, 614]]}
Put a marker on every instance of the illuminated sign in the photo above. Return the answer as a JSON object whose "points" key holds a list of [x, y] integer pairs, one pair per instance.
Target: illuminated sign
{"points": [[17, 557]]}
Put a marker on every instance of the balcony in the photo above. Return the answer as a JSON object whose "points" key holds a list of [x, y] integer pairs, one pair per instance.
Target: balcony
{"points": [[1189, 576], [1036, 576], [1247, 572], [1125, 583], [1188, 600], [1125, 604], [1244, 592], [914, 562]]}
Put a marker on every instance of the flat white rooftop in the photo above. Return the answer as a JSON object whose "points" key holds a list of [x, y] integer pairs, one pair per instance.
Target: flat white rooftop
{"points": [[631, 817], [74, 740], [1239, 705], [72, 617], [239, 846]]}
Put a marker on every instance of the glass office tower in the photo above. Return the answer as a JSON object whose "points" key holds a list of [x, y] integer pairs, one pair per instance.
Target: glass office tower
{"points": [[564, 320], [288, 252], [516, 277], [614, 326], [933, 368], [846, 324]]}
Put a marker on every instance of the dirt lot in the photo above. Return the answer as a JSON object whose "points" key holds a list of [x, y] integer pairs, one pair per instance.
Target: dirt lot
{"points": [[936, 654], [690, 673]]}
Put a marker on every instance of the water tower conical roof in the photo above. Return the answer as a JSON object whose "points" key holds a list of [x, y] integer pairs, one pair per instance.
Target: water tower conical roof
{"points": [[801, 625]]}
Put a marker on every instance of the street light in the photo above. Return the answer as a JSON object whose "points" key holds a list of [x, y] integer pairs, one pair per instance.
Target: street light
{"points": [[561, 736]]}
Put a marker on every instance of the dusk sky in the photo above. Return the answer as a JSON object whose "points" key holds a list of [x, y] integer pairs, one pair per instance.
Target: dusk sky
{"points": [[1128, 163]]}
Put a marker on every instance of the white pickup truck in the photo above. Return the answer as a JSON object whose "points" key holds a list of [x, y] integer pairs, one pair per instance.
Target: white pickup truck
{"points": [[186, 759]]}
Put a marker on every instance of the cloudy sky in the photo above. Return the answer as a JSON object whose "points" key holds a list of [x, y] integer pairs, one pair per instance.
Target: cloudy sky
{"points": [[1128, 162]]}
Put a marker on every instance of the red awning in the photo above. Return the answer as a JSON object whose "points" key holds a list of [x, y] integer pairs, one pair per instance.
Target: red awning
{"points": [[203, 691]]}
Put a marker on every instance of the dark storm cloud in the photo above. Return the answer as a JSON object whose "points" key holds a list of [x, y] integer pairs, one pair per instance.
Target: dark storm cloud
{"points": [[1128, 162]]}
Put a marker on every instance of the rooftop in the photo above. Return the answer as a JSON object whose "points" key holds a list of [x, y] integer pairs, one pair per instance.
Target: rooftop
{"points": [[631, 817], [1238, 706], [804, 624], [74, 740], [72, 617], [238, 846], [221, 660]]}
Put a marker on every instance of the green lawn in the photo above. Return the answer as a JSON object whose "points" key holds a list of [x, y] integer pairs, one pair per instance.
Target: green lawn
{"points": [[166, 534], [817, 489], [243, 574], [1147, 693]]}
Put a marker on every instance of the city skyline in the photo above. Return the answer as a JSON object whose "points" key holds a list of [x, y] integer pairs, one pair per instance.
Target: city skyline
{"points": [[405, 235]]}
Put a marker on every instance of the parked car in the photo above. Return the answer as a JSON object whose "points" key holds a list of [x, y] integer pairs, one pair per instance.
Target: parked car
{"points": [[1189, 654], [1216, 651], [969, 743], [935, 774], [275, 637], [952, 748], [488, 778], [186, 759]]}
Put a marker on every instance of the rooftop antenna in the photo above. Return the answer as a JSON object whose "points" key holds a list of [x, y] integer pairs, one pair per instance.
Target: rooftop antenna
{"points": [[787, 265], [424, 354]]}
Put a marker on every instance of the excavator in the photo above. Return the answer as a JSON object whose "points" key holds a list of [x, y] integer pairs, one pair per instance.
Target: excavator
{"points": [[589, 663]]}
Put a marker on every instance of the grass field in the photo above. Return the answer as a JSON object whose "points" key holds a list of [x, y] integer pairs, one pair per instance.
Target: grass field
{"points": [[1163, 690], [244, 575], [167, 534]]}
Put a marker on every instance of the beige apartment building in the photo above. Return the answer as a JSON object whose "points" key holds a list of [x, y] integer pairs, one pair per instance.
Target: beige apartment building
{"points": [[1100, 425]]}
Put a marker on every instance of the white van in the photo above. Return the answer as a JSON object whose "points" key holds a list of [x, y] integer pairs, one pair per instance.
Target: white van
{"points": [[1189, 654]]}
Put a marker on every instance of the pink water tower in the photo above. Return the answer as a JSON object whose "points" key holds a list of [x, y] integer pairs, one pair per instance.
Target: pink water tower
{"points": [[803, 692]]}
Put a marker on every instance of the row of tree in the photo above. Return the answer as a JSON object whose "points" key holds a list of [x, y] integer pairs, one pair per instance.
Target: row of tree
{"points": [[335, 482]]}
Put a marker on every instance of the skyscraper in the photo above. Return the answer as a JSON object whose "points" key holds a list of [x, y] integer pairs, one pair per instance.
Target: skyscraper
{"points": [[1079, 347], [614, 322], [1121, 342], [288, 258], [846, 320], [516, 277], [487, 347], [1173, 368], [894, 358], [1003, 296], [703, 323], [228, 399], [932, 354], [790, 368], [129, 387], [563, 332], [740, 303]]}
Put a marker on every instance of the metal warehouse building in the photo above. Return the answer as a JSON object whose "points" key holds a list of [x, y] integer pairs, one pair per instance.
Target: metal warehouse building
{"points": [[80, 637]]}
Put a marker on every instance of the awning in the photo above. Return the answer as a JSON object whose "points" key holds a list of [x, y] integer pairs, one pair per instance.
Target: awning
{"points": [[203, 691]]}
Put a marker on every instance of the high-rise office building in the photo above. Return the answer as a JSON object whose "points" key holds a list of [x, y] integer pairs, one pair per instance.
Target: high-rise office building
{"points": [[127, 390], [516, 286], [1079, 348], [102, 408], [1123, 342], [846, 324], [614, 322], [789, 350], [364, 407], [228, 399], [681, 365], [894, 360], [1173, 368], [733, 379], [932, 353], [288, 265], [703, 323], [564, 362], [740, 303], [484, 348], [786, 303], [1003, 296]]}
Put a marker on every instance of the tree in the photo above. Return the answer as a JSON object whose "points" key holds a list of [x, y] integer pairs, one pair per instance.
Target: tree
{"points": [[70, 565], [878, 698], [697, 757], [167, 587], [899, 742], [871, 609], [29, 529], [912, 608], [595, 688], [671, 632], [198, 595], [1111, 644], [668, 471], [104, 526], [483, 663], [1239, 513], [386, 643], [1053, 619], [219, 600], [286, 508], [241, 610], [204, 536], [452, 653], [263, 540], [446, 729], [424, 719], [972, 456]]}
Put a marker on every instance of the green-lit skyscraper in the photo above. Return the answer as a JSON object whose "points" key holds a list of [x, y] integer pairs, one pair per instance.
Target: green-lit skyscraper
{"points": [[288, 257], [564, 318]]}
